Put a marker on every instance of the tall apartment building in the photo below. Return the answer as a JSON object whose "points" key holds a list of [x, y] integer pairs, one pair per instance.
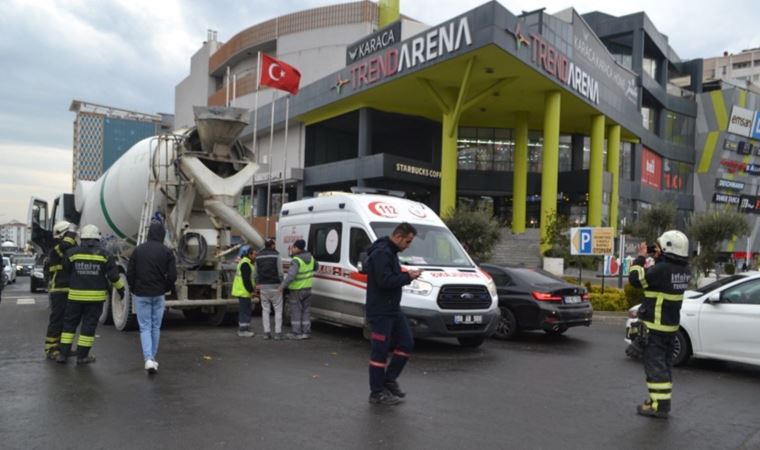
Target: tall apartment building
{"points": [[103, 133], [742, 67]]}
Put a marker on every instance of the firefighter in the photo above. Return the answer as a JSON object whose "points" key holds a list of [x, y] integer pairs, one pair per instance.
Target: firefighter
{"points": [[58, 285], [90, 269], [659, 314]]}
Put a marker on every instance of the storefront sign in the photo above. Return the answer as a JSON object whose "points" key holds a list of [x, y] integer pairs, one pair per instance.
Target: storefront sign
{"points": [[729, 185], [651, 169], [556, 64], [415, 170], [732, 166], [749, 204], [756, 126], [730, 145], [741, 121], [744, 148], [752, 169], [373, 43], [591, 241], [589, 47], [726, 199], [435, 43]]}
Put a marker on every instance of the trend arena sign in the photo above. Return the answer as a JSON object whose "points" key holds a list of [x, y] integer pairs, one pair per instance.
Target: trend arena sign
{"points": [[556, 64], [437, 42]]}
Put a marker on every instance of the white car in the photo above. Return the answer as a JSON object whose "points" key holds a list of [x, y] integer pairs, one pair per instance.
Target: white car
{"points": [[9, 271], [718, 321]]}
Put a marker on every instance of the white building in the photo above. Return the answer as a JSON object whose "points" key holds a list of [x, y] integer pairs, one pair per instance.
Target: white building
{"points": [[14, 231], [743, 67]]}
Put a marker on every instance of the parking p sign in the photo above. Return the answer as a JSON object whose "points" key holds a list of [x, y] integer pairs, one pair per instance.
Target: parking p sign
{"points": [[591, 241]]}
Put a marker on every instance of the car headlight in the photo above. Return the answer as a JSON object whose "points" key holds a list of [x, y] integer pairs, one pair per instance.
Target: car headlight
{"points": [[38, 274], [418, 287], [19, 267], [491, 288]]}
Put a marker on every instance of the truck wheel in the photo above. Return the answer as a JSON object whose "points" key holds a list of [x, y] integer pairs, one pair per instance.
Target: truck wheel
{"points": [[121, 309], [471, 341], [218, 317], [105, 316], [195, 314]]}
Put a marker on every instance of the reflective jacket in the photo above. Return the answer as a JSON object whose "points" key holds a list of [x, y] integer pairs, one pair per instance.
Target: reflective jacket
{"points": [[243, 284], [58, 279], [663, 285], [305, 272], [91, 269]]}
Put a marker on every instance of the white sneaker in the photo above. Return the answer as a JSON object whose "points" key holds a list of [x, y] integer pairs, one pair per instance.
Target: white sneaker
{"points": [[151, 366]]}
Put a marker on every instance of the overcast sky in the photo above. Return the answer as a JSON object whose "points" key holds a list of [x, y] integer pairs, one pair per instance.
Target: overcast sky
{"points": [[132, 53]]}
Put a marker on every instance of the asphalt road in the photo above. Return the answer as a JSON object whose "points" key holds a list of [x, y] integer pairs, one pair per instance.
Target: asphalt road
{"points": [[215, 390]]}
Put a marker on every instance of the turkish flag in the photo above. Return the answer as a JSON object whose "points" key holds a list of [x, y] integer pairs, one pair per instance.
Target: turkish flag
{"points": [[278, 75]]}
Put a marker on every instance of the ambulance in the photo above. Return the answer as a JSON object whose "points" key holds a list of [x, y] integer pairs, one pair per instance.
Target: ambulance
{"points": [[451, 298]]}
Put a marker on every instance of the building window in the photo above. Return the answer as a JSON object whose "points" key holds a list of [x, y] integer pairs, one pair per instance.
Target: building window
{"points": [[740, 65], [626, 161], [324, 241], [649, 66], [485, 149], [679, 129], [677, 176], [649, 118]]}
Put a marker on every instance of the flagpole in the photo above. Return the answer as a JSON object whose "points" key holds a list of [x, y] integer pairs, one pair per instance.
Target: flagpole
{"points": [[269, 161], [227, 91], [255, 127], [285, 146]]}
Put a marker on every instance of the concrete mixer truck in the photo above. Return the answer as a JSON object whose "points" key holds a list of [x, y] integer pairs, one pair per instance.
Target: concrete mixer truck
{"points": [[191, 180]]}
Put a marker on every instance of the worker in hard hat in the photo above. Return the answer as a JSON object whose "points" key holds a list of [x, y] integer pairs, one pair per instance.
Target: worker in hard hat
{"points": [[58, 285], [91, 269], [660, 314], [244, 288]]}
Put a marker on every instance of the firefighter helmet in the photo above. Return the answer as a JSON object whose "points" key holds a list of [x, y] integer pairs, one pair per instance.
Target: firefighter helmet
{"points": [[89, 232], [675, 243], [60, 228]]}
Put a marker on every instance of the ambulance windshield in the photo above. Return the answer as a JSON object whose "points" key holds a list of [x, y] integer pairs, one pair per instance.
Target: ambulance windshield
{"points": [[433, 246]]}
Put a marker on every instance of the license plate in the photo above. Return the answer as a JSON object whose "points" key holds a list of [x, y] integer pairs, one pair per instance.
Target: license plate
{"points": [[573, 299], [468, 318]]}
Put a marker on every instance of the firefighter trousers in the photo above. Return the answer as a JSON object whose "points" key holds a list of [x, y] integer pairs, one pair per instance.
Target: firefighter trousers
{"points": [[658, 364], [58, 302], [88, 314]]}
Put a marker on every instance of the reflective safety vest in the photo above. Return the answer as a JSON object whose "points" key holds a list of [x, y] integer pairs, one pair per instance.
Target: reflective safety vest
{"points": [[305, 275], [238, 287], [91, 270], [58, 281]]}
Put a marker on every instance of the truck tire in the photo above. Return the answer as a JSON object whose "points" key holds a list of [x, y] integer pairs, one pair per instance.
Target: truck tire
{"points": [[105, 316], [195, 314], [121, 308], [471, 341]]}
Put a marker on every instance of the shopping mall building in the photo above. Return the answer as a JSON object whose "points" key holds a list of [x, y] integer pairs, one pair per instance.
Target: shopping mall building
{"points": [[529, 115]]}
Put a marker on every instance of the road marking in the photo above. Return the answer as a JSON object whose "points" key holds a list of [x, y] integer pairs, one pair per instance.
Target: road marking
{"points": [[25, 301]]}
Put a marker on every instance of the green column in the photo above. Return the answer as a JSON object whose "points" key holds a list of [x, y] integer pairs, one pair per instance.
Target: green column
{"points": [[388, 12], [595, 173], [520, 178], [613, 167], [448, 165], [549, 163]]}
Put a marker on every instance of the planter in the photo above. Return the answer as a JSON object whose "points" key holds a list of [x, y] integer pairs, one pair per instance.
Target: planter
{"points": [[555, 266]]}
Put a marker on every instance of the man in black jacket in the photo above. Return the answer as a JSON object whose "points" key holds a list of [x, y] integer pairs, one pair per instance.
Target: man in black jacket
{"points": [[268, 279], [151, 273], [388, 326]]}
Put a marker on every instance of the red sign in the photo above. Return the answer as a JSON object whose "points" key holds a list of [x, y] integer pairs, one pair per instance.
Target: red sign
{"points": [[651, 168], [383, 209], [277, 74]]}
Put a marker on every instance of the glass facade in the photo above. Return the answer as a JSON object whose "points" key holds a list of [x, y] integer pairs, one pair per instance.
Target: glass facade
{"points": [[649, 118], [649, 66], [492, 149], [679, 129], [677, 176]]}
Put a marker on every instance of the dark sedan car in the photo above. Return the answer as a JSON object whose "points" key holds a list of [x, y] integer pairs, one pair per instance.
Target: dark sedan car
{"points": [[533, 299]]}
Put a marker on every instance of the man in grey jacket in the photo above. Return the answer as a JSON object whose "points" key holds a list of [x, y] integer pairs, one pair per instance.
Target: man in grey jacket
{"points": [[298, 281]]}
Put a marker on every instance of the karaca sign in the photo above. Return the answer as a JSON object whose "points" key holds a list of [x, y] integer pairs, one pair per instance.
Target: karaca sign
{"points": [[374, 43], [437, 42]]}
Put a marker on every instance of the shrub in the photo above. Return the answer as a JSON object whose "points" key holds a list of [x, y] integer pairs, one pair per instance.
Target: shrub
{"points": [[611, 300], [476, 229], [729, 268]]}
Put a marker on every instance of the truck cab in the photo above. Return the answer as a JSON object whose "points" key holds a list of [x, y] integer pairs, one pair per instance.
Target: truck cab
{"points": [[452, 297]]}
